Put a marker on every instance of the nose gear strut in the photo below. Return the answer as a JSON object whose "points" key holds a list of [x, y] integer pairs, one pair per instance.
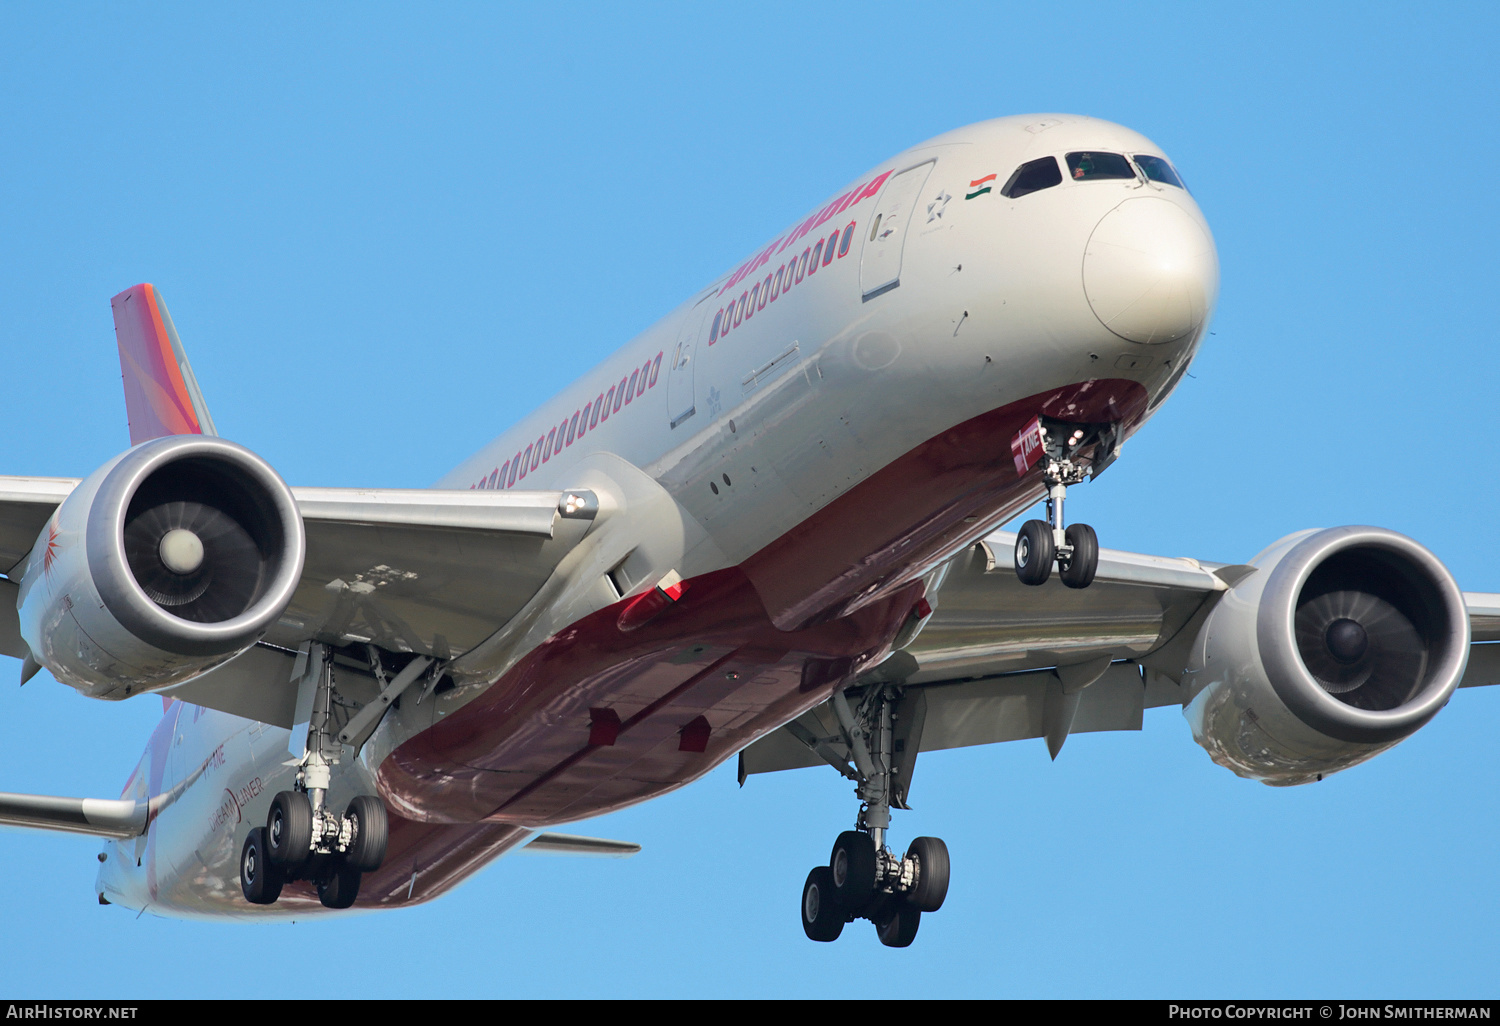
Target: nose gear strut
{"points": [[1040, 543]]}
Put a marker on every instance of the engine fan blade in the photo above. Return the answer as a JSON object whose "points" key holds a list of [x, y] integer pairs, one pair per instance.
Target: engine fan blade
{"points": [[1381, 674], [220, 587]]}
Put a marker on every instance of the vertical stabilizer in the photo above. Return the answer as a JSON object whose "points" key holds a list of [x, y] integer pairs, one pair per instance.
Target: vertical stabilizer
{"points": [[161, 394]]}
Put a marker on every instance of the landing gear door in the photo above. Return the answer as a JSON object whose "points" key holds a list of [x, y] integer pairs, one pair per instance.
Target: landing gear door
{"points": [[681, 398], [880, 259]]}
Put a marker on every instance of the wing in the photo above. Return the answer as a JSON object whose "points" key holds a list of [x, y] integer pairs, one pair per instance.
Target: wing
{"points": [[26, 503], [998, 660], [433, 572]]}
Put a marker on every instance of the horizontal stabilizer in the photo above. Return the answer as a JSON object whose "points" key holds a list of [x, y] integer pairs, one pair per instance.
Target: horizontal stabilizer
{"points": [[161, 394], [572, 844], [102, 817]]}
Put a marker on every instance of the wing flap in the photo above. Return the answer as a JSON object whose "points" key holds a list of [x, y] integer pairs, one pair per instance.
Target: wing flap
{"points": [[257, 685], [1013, 707], [1484, 666]]}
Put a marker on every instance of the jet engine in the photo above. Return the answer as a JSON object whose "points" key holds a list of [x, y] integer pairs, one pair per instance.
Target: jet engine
{"points": [[170, 559], [1340, 644]]}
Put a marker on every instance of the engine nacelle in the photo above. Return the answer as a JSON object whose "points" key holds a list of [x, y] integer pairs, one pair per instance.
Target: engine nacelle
{"points": [[1342, 643], [173, 557]]}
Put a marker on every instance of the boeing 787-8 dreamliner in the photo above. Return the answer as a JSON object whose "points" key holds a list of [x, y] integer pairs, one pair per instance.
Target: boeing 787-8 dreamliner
{"points": [[765, 529]]}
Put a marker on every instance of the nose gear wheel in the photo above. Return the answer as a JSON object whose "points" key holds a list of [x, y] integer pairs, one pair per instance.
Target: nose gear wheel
{"points": [[1040, 543]]}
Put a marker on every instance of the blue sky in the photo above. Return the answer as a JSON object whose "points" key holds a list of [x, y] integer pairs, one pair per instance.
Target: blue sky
{"points": [[386, 233]]}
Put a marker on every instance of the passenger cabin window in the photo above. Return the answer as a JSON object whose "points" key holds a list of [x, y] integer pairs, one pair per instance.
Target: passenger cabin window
{"points": [[1089, 167], [1158, 170], [1033, 176]]}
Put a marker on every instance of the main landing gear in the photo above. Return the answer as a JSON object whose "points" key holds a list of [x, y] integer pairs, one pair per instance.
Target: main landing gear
{"points": [[303, 839], [863, 878], [1040, 543]]}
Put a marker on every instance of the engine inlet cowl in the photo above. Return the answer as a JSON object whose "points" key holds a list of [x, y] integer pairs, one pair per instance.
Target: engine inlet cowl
{"points": [[1339, 644], [195, 544], [172, 558], [1363, 633]]}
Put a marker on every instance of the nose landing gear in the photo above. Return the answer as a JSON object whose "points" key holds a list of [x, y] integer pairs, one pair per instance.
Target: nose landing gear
{"points": [[1040, 543], [864, 879]]}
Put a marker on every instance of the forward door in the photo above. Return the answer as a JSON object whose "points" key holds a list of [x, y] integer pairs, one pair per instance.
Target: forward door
{"points": [[880, 259]]}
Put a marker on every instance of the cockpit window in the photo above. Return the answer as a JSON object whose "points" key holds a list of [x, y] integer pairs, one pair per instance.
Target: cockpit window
{"points": [[1033, 176], [1158, 170], [1088, 167]]}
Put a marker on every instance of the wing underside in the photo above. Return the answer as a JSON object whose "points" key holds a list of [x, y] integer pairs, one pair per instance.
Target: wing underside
{"points": [[1001, 661]]}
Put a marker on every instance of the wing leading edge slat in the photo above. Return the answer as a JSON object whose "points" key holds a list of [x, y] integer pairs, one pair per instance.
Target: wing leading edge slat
{"points": [[512, 512]]}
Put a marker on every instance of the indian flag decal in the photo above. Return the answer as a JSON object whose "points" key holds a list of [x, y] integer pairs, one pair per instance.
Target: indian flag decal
{"points": [[975, 185]]}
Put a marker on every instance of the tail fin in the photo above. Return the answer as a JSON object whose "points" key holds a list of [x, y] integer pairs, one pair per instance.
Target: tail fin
{"points": [[161, 394]]}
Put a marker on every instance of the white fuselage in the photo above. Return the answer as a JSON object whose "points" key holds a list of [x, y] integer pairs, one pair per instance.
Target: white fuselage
{"points": [[824, 376]]}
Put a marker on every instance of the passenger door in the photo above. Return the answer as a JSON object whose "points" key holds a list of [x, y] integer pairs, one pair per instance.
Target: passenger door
{"points": [[880, 259], [681, 397]]}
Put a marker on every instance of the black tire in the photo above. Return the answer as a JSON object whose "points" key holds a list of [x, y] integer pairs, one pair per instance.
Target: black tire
{"points": [[289, 829], [1035, 552], [898, 928], [1079, 573], [931, 857], [852, 869], [340, 888], [823, 917], [259, 879], [371, 832]]}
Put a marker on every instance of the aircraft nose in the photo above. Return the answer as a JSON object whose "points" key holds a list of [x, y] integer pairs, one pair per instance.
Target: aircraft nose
{"points": [[1150, 271]]}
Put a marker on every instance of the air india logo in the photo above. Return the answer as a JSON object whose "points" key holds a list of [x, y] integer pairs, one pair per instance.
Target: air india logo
{"points": [[49, 554]]}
